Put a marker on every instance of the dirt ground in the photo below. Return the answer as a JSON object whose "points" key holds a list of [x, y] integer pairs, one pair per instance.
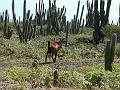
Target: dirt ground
{"points": [[69, 65]]}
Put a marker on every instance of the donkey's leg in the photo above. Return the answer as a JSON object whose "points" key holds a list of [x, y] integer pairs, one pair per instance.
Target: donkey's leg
{"points": [[55, 56], [46, 57], [52, 57]]}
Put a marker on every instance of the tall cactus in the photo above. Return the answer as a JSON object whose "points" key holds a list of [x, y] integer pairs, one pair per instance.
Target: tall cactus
{"points": [[110, 52], [67, 28], [77, 11], [56, 18], [108, 10], [23, 33], [83, 23], [97, 19], [76, 29], [40, 15], [107, 56], [81, 14], [7, 32], [75, 22], [119, 14], [1, 17], [5, 24], [102, 12], [90, 14], [113, 43]]}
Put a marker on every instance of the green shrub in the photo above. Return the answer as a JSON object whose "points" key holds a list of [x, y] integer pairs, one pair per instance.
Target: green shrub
{"points": [[103, 79], [70, 79], [18, 73], [20, 86], [94, 78], [108, 30]]}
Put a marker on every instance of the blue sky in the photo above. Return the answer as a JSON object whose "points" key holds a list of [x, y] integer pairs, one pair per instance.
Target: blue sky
{"points": [[71, 6]]}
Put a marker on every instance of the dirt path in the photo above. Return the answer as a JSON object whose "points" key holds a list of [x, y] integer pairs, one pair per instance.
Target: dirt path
{"points": [[57, 64], [69, 65]]}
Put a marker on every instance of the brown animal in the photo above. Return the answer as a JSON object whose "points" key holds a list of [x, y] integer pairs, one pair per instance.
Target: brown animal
{"points": [[53, 49]]}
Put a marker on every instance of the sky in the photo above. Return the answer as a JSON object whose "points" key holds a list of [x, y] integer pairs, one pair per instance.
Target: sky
{"points": [[71, 7]]}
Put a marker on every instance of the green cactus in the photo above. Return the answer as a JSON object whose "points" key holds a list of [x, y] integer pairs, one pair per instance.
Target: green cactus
{"points": [[81, 14], [67, 28], [31, 33], [40, 15], [48, 24], [24, 21], [34, 27], [110, 52], [35, 64], [83, 23], [75, 22], [47, 82], [5, 23], [113, 44], [7, 32], [107, 56], [55, 78], [102, 12], [1, 17], [77, 11], [108, 10], [23, 33], [97, 19], [76, 29], [56, 18], [119, 14]]}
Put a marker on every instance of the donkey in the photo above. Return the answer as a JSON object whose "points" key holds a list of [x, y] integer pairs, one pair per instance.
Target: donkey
{"points": [[53, 49]]}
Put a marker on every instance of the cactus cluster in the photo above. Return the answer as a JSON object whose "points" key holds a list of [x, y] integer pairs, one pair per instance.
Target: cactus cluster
{"points": [[27, 31], [7, 32], [4, 21], [56, 18], [76, 23], [40, 16], [110, 52], [1, 17], [53, 19], [97, 19]]}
